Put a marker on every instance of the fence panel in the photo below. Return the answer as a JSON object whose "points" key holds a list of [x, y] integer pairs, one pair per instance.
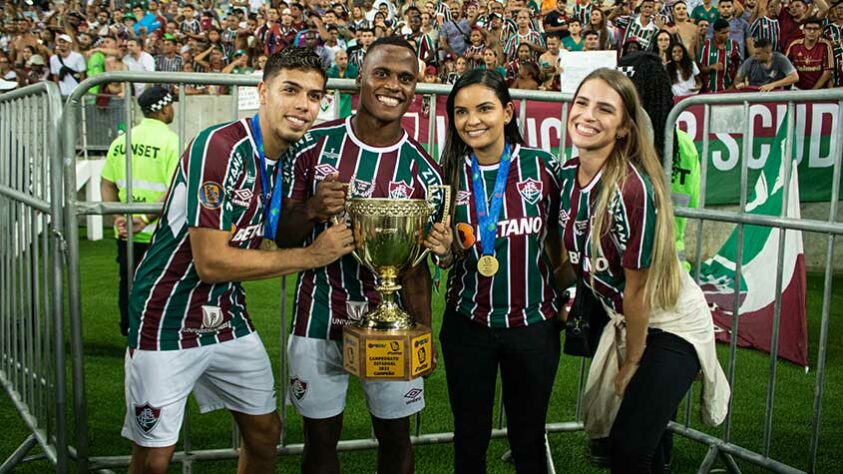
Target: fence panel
{"points": [[31, 319], [830, 228]]}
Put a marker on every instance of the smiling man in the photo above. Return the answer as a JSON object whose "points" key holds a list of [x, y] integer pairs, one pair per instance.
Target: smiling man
{"points": [[189, 328], [372, 154]]}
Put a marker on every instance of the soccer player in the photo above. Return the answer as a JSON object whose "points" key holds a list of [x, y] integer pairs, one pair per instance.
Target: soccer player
{"points": [[375, 157], [501, 303], [719, 59], [190, 330], [812, 56]]}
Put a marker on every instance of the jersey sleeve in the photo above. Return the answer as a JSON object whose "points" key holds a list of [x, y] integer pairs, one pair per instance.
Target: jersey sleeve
{"points": [[633, 220], [298, 174], [551, 183], [206, 165]]}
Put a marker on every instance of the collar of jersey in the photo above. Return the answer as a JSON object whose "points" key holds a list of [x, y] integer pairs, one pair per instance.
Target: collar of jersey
{"points": [[497, 165], [364, 146]]}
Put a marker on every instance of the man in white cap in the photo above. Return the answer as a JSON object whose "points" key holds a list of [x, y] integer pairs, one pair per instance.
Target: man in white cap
{"points": [[67, 66]]}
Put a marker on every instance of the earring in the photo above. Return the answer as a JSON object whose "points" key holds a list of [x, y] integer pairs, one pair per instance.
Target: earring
{"points": [[618, 136]]}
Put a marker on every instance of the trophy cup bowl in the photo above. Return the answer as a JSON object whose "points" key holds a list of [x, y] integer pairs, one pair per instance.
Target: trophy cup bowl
{"points": [[386, 344]]}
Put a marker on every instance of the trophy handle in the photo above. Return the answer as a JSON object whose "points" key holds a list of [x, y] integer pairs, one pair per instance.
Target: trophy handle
{"points": [[446, 191], [335, 219]]}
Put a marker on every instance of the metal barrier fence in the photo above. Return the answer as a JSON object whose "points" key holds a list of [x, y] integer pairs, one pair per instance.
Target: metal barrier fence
{"points": [[31, 267], [724, 448], [73, 209]]}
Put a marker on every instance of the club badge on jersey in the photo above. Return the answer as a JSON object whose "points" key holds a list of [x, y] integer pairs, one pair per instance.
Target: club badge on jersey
{"points": [[487, 217]]}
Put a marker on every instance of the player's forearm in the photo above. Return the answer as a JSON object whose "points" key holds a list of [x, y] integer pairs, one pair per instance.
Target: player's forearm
{"points": [[235, 264], [295, 224], [416, 293]]}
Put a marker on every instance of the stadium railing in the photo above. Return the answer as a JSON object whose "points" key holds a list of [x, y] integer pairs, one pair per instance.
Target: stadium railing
{"points": [[32, 347], [723, 447]]}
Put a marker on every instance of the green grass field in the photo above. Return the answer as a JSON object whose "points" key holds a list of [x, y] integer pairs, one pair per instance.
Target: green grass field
{"points": [[104, 350]]}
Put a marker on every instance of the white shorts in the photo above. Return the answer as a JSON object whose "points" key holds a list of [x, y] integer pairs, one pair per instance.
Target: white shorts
{"points": [[234, 374], [318, 383]]}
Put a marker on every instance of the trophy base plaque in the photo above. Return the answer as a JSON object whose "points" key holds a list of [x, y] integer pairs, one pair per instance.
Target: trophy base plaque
{"points": [[373, 354]]}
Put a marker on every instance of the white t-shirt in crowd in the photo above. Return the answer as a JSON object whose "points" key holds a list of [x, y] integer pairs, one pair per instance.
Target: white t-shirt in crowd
{"points": [[74, 61], [686, 87], [146, 63]]}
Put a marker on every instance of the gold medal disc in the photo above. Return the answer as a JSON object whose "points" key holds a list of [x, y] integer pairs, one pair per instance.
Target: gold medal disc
{"points": [[267, 244], [487, 265]]}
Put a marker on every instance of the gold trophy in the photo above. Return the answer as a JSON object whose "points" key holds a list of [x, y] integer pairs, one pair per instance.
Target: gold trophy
{"points": [[386, 344]]}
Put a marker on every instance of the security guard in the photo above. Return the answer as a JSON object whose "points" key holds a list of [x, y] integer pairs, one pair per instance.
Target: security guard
{"points": [[685, 185], [155, 155]]}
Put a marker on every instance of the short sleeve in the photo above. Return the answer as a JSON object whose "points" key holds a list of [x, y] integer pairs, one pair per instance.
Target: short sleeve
{"points": [[634, 222], [205, 165], [297, 177]]}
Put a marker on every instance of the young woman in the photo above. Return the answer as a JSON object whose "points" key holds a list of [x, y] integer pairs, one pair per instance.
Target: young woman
{"points": [[683, 71], [661, 45], [528, 77], [616, 220], [604, 28], [490, 62], [501, 302]]}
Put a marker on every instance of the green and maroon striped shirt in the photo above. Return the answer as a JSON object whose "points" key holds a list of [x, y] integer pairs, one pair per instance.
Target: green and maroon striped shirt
{"points": [[522, 292], [327, 298], [216, 186]]}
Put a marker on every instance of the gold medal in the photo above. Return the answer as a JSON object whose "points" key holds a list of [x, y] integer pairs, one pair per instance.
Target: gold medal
{"points": [[267, 244], [487, 265]]}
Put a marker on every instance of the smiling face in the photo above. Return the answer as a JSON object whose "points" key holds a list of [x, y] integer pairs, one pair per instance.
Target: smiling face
{"points": [[461, 65], [290, 102], [524, 53], [677, 54], [388, 82], [479, 117], [596, 117]]}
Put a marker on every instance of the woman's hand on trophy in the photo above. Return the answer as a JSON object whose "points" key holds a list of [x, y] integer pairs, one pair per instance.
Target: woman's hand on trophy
{"points": [[336, 241], [440, 238], [329, 199]]}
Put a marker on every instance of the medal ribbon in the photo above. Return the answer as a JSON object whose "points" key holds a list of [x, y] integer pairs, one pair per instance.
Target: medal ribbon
{"points": [[271, 198], [487, 220]]}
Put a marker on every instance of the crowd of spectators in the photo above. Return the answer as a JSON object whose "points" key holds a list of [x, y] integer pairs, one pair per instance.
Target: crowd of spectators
{"points": [[705, 45]]}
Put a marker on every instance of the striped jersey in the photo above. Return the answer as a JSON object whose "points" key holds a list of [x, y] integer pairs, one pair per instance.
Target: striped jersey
{"points": [[766, 28], [327, 298], [522, 292], [729, 57], [837, 73], [628, 242], [582, 12], [644, 34], [833, 33], [216, 186], [424, 45], [810, 63], [511, 48]]}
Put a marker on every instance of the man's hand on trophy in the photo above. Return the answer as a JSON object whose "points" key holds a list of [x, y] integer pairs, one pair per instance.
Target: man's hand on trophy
{"points": [[332, 244], [440, 238], [329, 199]]}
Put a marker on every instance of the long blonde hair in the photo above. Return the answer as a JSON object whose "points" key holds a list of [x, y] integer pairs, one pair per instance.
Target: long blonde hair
{"points": [[662, 287]]}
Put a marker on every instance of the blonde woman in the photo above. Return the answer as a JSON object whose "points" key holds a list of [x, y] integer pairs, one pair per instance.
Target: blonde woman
{"points": [[660, 334]]}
